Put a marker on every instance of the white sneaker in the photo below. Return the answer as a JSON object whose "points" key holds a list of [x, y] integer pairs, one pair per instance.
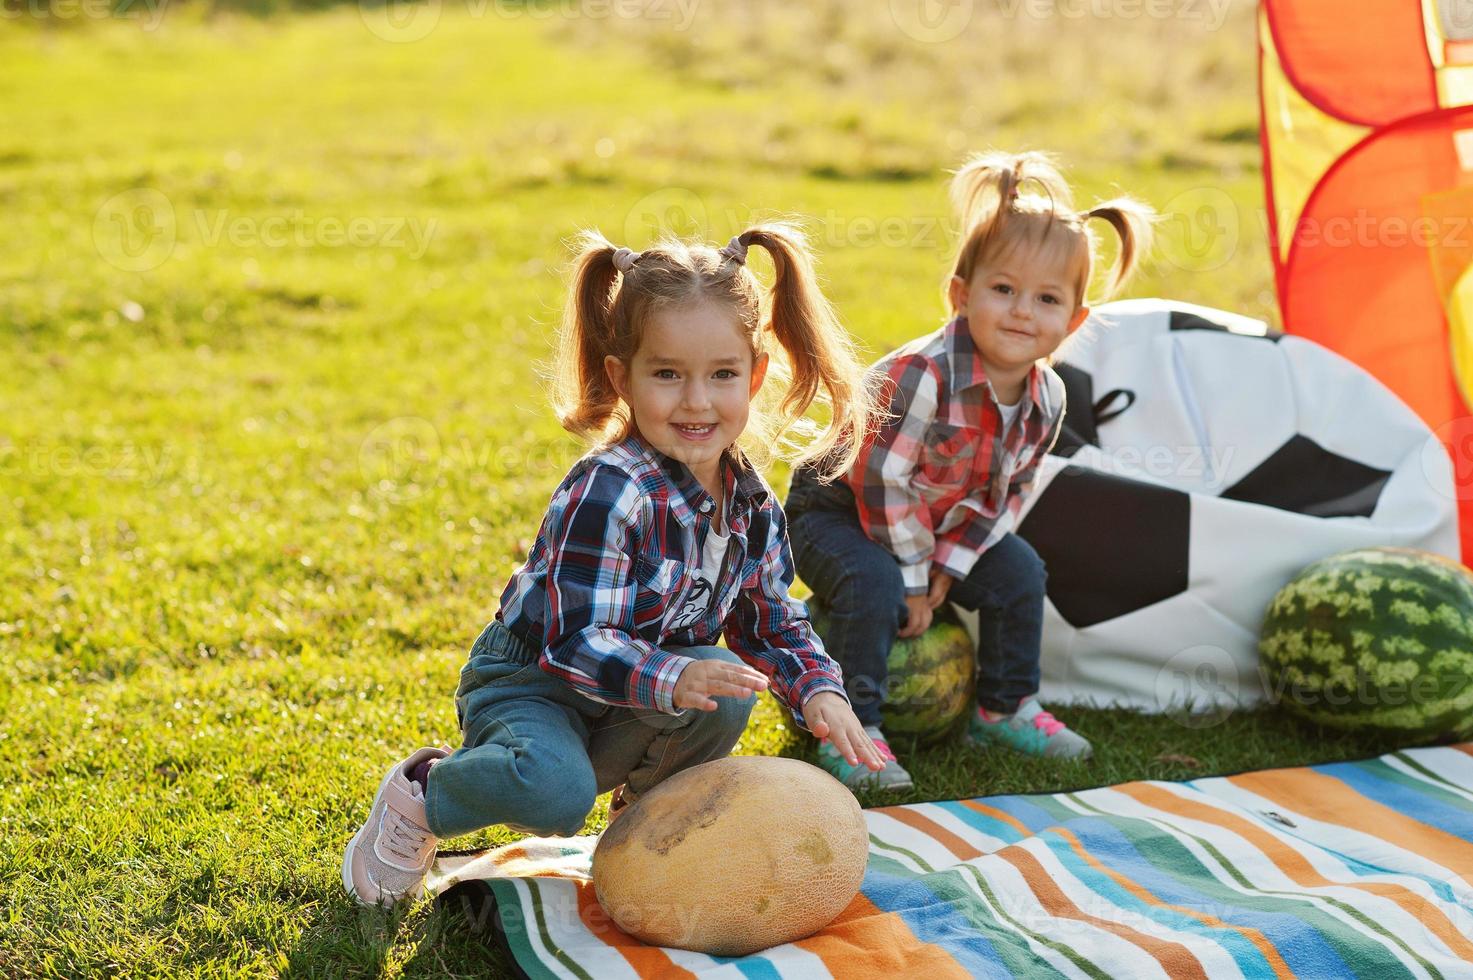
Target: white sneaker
{"points": [[386, 861]]}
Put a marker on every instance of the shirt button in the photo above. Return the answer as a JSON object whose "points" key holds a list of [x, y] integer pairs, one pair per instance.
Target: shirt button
{"points": [[705, 507]]}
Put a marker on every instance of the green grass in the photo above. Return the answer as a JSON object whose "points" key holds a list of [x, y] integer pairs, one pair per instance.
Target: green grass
{"points": [[257, 496]]}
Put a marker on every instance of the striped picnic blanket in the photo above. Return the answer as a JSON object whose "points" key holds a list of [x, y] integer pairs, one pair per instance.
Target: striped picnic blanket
{"points": [[1357, 869]]}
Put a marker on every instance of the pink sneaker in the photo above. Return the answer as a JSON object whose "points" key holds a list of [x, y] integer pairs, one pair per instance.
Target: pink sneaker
{"points": [[387, 859]]}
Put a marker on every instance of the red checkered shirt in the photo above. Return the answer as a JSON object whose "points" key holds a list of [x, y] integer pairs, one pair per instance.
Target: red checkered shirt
{"points": [[608, 578], [940, 482]]}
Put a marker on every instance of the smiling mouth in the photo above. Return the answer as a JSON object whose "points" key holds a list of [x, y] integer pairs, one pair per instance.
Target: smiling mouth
{"points": [[695, 430]]}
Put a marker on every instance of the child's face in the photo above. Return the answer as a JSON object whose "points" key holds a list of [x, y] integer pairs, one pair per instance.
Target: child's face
{"points": [[1019, 309], [690, 384]]}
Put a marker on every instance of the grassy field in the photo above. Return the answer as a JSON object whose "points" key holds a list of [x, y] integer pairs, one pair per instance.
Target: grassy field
{"points": [[272, 299]]}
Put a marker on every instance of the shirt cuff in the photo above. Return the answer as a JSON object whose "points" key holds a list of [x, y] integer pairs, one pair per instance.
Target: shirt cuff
{"points": [[917, 578], [955, 559], [658, 673], [811, 683]]}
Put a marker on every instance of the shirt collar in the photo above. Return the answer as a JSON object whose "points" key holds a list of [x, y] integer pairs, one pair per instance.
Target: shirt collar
{"points": [[744, 490], [964, 365]]}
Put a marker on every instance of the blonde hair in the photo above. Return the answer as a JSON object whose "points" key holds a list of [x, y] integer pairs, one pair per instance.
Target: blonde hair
{"points": [[1000, 211], [615, 292]]}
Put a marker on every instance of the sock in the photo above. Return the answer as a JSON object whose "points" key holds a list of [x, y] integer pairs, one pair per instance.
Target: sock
{"points": [[421, 774]]}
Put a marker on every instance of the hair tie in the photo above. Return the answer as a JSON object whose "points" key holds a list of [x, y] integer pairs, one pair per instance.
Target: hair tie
{"points": [[735, 250], [625, 258]]}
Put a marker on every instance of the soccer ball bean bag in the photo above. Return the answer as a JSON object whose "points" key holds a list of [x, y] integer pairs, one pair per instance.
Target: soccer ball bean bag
{"points": [[1205, 460]]}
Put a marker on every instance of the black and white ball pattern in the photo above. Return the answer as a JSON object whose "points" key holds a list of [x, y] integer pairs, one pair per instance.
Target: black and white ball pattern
{"points": [[1205, 461]]}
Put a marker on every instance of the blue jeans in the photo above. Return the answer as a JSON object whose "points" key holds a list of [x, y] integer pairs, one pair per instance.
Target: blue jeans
{"points": [[858, 583], [536, 752]]}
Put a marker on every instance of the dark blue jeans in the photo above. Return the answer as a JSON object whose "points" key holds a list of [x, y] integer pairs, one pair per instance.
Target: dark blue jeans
{"points": [[858, 583]]}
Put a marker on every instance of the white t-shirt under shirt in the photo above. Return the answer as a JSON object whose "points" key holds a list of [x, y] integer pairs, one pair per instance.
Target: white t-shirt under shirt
{"points": [[703, 589], [1009, 414]]}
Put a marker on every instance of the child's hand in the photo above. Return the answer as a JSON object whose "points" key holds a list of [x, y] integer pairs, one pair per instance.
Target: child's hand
{"points": [[830, 717], [703, 680], [941, 583], [920, 616]]}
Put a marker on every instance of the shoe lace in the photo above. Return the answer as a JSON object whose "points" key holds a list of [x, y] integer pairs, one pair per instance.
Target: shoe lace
{"points": [[1047, 723], [406, 839], [883, 747]]}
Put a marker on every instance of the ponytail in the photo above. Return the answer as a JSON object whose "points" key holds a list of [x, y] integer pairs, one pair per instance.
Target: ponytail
{"points": [[584, 398], [988, 184], [1133, 224], [820, 353], [997, 208]]}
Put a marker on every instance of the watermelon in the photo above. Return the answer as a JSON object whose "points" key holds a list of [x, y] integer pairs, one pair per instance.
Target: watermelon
{"points": [[1377, 640], [930, 688]]}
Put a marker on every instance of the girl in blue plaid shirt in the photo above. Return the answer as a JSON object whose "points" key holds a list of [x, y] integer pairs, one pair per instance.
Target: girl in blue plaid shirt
{"points": [[600, 671]]}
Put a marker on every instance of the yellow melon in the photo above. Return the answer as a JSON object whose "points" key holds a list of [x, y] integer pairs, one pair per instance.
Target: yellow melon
{"points": [[733, 856]]}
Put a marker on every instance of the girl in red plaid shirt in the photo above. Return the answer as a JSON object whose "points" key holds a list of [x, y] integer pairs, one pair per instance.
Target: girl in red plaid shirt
{"points": [[600, 671], [927, 511]]}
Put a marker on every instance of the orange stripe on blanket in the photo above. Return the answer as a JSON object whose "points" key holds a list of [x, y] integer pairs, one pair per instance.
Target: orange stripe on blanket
{"points": [[647, 961], [1258, 939], [1175, 959], [1295, 866], [517, 862], [1329, 800], [933, 830], [997, 814], [867, 943]]}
